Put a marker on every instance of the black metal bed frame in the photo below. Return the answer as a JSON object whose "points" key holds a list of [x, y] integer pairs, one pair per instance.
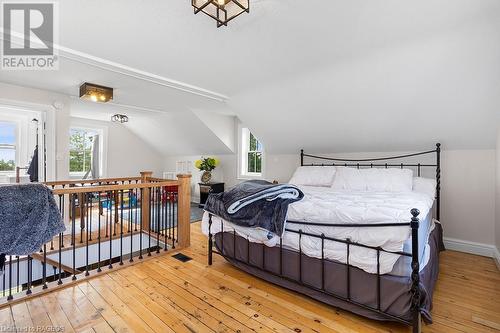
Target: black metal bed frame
{"points": [[413, 224]]}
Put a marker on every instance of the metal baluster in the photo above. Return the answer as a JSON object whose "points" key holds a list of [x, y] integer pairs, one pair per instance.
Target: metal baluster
{"points": [[44, 267], [140, 226], [89, 207], [149, 229], [130, 217], [111, 223], [73, 232], [158, 215], [121, 227], [99, 232], [130, 211], [82, 216], [18, 273], [165, 216], [88, 222], [175, 217], [61, 201], [60, 259], [136, 205], [107, 215], [10, 279], [176, 214], [30, 274]]}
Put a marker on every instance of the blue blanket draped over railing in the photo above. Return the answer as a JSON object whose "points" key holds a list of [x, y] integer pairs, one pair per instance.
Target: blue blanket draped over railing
{"points": [[29, 218], [255, 204]]}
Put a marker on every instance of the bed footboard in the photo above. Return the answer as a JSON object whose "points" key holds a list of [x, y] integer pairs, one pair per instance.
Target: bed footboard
{"points": [[229, 252]]}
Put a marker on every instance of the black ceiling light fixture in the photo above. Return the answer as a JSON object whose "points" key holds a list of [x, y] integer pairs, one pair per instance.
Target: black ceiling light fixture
{"points": [[222, 11], [96, 93], [119, 118]]}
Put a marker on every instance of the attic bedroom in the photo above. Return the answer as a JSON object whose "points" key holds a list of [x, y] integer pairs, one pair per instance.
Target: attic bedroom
{"points": [[250, 166]]}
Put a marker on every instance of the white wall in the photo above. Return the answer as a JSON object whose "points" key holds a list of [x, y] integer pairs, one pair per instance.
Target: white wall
{"points": [[128, 154], [467, 178]]}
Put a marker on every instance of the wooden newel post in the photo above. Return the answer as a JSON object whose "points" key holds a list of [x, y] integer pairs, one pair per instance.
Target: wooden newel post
{"points": [[145, 200], [184, 210]]}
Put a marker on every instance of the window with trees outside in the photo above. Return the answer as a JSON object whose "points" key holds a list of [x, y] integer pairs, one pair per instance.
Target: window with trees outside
{"points": [[80, 150], [8, 141], [252, 154]]}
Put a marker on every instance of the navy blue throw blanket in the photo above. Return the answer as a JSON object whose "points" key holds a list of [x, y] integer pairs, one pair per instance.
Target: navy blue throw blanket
{"points": [[29, 218], [255, 204]]}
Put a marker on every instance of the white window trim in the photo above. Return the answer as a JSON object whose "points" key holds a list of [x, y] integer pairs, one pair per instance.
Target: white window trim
{"points": [[103, 133], [45, 114], [242, 158]]}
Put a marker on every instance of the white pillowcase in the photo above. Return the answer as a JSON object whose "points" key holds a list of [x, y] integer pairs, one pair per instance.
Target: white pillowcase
{"points": [[373, 179], [314, 176], [425, 185]]}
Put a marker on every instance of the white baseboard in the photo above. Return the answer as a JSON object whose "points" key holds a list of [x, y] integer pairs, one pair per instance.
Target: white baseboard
{"points": [[485, 250], [497, 258]]}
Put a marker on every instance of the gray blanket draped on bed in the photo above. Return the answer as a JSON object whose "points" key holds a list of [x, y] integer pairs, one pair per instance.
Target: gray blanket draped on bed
{"points": [[29, 218], [255, 203]]}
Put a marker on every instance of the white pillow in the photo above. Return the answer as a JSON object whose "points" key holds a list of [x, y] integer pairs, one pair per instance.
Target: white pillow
{"points": [[373, 179], [314, 176], [349, 179], [425, 185]]}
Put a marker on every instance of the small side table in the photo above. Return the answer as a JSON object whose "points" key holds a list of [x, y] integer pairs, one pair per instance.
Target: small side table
{"points": [[206, 189]]}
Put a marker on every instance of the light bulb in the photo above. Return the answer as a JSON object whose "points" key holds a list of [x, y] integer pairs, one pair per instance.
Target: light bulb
{"points": [[93, 98], [221, 2], [102, 98]]}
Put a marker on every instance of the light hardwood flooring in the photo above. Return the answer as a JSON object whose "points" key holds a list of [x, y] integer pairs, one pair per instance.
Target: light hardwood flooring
{"points": [[165, 295]]}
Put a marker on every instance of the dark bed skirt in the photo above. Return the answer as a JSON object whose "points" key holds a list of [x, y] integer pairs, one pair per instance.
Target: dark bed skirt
{"points": [[304, 274]]}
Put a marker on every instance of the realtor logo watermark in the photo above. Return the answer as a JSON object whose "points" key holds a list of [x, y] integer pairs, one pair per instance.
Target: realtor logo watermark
{"points": [[30, 31]]}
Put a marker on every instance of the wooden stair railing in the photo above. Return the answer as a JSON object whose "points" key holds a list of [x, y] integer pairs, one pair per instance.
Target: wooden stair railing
{"points": [[114, 231]]}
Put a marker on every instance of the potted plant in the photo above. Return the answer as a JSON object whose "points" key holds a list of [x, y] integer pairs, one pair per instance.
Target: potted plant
{"points": [[206, 164]]}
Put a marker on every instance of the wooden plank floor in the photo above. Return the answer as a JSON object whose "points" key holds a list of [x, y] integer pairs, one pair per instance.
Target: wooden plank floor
{"points": [[165, 295]]}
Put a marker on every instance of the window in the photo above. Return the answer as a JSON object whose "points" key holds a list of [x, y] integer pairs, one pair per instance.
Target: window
{"points": [[8, 141], [80, 150], [252, 154]]}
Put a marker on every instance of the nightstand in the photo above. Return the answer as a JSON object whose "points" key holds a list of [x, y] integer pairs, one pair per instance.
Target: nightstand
{"points": [[206, 189]]}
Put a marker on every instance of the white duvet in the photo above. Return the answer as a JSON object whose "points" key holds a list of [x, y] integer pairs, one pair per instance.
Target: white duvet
{"points": [[325, 205]]}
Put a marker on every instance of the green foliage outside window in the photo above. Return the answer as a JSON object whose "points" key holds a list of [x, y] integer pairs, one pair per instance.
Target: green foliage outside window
{"points": [[254, 161], [80, 145], [7, 165]]}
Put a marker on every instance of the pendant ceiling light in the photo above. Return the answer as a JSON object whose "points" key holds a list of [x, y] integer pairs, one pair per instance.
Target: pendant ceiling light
{"points": [[96, 93], [222, 11], [119, 118]]}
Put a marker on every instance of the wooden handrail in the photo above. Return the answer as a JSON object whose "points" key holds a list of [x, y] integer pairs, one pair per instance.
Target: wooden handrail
{"points": [[117, 187], [91, 181]]}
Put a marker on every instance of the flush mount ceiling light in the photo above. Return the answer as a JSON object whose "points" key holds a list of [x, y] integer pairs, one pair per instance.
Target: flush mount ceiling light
{"points": [[96, 93], [119, 118], [222, 11]]}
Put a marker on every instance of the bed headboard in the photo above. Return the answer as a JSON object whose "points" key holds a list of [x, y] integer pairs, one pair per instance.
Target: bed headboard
{"points": [[385, 162]]}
